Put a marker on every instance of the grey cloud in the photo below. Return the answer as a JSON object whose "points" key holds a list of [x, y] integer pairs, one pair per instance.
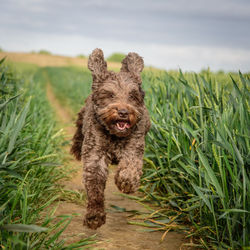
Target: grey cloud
{"points": [[196, 23], [193, 22]]}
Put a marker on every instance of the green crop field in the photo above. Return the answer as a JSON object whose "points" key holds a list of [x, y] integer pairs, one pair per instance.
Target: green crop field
{"points": [[29, 163], [197, 152], [196, 169]]}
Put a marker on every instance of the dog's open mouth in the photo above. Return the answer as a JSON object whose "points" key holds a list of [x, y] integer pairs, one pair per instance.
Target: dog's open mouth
{"points": [[122, 125]]}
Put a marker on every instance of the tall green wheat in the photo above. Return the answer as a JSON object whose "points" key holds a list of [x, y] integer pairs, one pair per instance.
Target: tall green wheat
{"points": [[29, 166], [198, 153]]}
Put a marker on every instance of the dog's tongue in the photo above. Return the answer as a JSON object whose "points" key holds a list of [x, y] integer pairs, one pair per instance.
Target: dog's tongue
{"points": [[122, 125]]}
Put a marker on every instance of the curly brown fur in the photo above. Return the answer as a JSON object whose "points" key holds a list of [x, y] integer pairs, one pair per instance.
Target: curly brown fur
{"points": [[111, 129], [78, 136]]}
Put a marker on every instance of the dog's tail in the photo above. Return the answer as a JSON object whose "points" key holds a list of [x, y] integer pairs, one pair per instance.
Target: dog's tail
{"points": [[76, 147]]}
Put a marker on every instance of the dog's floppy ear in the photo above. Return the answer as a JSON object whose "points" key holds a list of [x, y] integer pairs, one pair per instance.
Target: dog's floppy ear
{"points": [[98, 66], [133, 64]]}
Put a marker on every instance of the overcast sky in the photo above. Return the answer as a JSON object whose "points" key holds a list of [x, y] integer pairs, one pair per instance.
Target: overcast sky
{"points": [[186, 34]]}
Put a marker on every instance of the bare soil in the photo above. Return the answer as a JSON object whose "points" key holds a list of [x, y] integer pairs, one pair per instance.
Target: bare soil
{"points": [[116, 233], [49, 60]]}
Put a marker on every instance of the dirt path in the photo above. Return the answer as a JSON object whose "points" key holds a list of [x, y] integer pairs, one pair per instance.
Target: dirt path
{"points": [[116, 233]]}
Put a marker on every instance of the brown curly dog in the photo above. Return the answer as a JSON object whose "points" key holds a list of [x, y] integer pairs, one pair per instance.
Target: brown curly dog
{"points": [[111, 128]]}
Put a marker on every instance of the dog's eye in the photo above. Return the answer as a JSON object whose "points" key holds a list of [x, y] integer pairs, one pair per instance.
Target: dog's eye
{"points": [[134, 96], [110, 95], [131, 97], [107, 94]]}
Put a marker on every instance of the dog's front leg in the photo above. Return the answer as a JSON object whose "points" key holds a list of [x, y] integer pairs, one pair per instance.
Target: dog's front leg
{"points": [[129, 171], [95, 176]]}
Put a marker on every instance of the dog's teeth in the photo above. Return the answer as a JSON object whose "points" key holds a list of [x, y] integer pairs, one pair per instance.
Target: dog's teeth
{"points": [[122, 125]]}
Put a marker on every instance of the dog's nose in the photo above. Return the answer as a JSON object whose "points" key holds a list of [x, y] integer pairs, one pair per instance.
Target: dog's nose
{"points": [[123, 113]]}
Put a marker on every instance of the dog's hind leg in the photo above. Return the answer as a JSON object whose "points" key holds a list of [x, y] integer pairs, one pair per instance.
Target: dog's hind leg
{"points": [[76, 147], [95, 176]]}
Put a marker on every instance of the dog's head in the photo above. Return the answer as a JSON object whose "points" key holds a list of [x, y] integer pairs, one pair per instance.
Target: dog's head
{"points": [[117, 97]]}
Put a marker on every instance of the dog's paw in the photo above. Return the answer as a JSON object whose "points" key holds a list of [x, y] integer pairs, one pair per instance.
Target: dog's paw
{"points": [[127, 181], [94, 219]]}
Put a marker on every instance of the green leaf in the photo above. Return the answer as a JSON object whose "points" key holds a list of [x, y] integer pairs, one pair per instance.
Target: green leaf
{"points": [[119, 209], [213, 180], [2, 60], [202, 196], [2, 105], [18, 126], [23, 228], [233, 210]]}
